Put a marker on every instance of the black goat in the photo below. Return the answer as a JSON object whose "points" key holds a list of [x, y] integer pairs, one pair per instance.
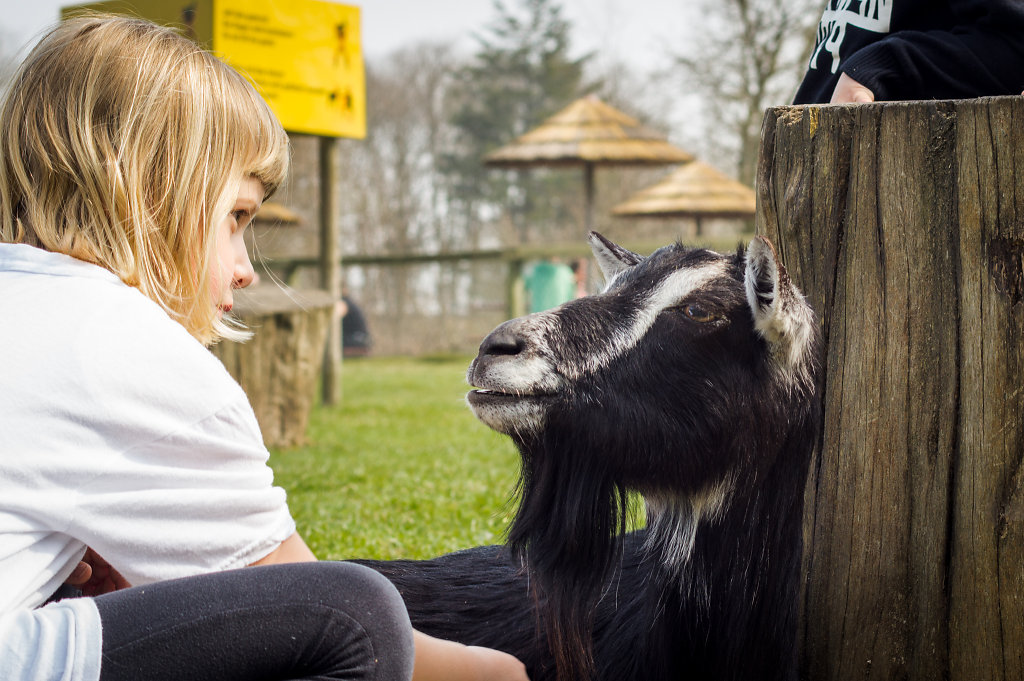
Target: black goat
{"points": [[690, 380]]}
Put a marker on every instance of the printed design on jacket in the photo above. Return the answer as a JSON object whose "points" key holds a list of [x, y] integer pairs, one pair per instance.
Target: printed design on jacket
{"points": [[870, 15]]}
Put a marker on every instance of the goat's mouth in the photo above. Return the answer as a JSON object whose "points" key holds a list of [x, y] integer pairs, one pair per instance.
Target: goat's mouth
{"points": [[511, 413], [486, 396]]}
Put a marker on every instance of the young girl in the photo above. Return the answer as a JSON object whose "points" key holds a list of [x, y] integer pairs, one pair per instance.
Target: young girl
{"points": [[131, 162]]}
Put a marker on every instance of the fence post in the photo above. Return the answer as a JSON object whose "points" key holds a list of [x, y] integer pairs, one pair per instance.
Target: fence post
{"points": [[904, 224], [330, 266]]}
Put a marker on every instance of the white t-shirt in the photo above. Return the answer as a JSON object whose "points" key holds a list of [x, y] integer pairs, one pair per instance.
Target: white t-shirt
{"points": [[118, 431], [58, 642]]}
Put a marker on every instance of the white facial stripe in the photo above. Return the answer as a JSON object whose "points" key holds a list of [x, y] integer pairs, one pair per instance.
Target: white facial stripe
{"points": [[674, 288]]}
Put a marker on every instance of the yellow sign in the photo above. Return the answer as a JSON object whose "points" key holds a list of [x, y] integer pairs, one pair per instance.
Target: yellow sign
{"points": [[304, 56]]}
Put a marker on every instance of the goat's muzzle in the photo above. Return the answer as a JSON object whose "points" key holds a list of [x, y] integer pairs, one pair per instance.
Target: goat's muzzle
{"points": [[514, 379]]}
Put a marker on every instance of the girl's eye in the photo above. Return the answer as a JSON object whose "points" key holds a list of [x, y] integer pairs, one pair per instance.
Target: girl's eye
{"points": [[698, 313], [240, 218]]}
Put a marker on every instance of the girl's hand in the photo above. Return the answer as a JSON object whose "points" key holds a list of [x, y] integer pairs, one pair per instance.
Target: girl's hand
{"points": [[849, 91], [94, 576]]}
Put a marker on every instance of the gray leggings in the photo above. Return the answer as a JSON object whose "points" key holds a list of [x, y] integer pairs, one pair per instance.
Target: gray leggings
{"points": [[321, 621]]}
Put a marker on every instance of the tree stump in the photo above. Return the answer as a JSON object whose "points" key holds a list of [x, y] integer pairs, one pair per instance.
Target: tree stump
{"points": [[279, 367], [904, 225]]}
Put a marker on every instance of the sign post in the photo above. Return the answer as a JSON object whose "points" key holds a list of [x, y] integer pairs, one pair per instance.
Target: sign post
{"points": [[305, 58]]}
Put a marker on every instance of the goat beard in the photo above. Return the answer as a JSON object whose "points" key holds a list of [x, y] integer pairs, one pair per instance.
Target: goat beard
{"points": [[568, 531]]}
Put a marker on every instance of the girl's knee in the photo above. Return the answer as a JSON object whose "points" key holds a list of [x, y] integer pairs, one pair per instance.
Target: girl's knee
{"points": [[374, 602]]}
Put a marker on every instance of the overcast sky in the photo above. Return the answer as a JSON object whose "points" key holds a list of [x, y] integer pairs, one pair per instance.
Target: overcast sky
{"points": [[639, 31]]}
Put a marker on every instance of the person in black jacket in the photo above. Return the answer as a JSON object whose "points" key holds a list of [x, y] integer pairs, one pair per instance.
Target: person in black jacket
{"points": [[887, 50], [355, 333]]}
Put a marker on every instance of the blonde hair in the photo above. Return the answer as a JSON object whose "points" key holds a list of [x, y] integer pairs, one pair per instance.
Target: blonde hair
{"points": [[123, 144]]}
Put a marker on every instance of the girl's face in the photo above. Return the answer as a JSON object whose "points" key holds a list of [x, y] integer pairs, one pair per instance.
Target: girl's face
{"points": [[230, 267]]}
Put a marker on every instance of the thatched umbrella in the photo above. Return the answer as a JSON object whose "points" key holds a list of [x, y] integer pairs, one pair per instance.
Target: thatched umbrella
{"points": [[273, 212], [695, 190], [588, 133]]}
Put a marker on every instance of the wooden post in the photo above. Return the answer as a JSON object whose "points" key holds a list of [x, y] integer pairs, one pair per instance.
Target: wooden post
{"points": [[588, 197], [514, 303], [904, 225], [278, 367], [330, 268]]}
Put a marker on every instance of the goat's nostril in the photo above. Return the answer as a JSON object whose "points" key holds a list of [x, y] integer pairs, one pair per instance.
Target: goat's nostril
{"points": [[502, 343]]}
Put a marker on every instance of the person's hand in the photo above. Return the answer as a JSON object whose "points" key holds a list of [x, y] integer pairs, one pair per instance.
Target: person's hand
{"points": [[495, 665], [849, 91], [94, 576]]}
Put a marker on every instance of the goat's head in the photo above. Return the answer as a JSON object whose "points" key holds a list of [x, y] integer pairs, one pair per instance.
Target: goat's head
{"points": [[676, 356], [681, 380]]}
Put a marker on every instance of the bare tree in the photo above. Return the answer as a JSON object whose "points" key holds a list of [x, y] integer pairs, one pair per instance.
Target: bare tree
{"points": [[395, 191], [397, 199], [742, 57]]}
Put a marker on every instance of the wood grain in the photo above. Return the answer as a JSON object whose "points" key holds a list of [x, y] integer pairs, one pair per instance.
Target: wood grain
{"points": [[280, 366], [903, 223]]}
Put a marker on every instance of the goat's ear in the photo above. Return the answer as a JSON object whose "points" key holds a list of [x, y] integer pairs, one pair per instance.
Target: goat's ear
{"points": [[781, 314], [611, 258]]}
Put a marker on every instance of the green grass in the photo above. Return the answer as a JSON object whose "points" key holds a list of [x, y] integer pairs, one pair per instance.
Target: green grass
{"points": [[401, 469]]}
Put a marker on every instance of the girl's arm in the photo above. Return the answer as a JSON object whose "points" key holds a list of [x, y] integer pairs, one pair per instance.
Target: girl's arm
{"points": [[440, 660], [292, 550]]}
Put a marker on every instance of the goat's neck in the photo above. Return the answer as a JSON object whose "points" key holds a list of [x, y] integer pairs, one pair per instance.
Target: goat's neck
{"points": [[738, 584]]}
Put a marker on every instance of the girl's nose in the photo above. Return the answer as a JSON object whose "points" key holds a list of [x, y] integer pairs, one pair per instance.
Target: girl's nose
{"points": [[244, 272]]}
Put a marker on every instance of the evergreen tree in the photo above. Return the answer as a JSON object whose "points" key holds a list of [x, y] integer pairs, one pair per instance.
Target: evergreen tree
{"points": [[520, 75]]}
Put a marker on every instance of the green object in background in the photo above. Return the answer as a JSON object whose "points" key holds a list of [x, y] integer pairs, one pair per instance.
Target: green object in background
{"points": [[549, 284]]}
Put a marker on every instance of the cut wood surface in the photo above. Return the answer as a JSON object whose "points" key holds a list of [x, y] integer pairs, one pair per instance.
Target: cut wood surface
{"points": [[904, 225], [279, 367]]}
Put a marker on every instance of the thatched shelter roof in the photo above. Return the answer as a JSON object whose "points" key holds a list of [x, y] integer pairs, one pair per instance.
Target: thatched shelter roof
{"points": [[588, 131], [271, 211], [692, 190]]}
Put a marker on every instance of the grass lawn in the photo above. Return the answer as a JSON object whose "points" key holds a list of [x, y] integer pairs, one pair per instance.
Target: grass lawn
{"points": [[401, 469]]}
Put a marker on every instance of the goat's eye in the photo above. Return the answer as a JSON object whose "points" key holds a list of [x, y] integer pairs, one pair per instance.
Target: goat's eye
{"points": [[698, 313]]}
